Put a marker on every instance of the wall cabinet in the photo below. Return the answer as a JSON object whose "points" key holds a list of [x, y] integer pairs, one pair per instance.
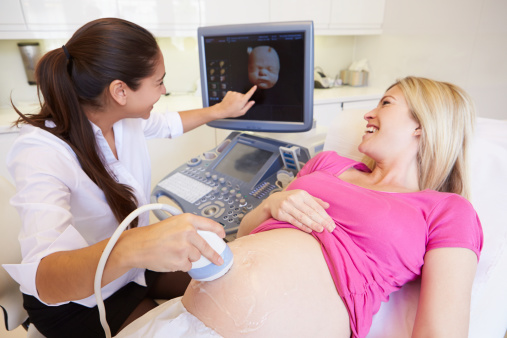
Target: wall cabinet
{"points": [[359, 16], [64, 15], [165, 18], [224, 12], [11, 16], [296, 10], [29, 19]]}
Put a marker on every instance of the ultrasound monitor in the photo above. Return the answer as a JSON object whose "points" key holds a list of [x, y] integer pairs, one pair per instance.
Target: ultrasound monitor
{"points": [[277, 57]]}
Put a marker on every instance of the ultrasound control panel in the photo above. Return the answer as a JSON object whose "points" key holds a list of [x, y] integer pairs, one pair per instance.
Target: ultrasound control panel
{"points": [[226, 182]]}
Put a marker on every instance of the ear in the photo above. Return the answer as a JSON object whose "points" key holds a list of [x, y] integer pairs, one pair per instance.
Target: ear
{"points": [[118, 91], [417, 131]]}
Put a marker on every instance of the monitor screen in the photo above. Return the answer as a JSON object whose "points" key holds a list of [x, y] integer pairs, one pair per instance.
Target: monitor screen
{"points": [[277, 57], [243, 162]]}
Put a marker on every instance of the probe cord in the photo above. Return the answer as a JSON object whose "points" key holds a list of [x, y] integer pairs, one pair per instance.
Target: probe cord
{"points": [[107, 251]]}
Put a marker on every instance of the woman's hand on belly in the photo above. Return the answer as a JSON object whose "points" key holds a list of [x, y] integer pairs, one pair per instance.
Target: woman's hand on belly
{"points": [[296, 207], [279, 285], [302, 210]]}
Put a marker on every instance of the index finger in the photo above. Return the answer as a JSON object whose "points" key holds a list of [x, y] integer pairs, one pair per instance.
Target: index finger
{"points": [[206, 250], [249, 93]]}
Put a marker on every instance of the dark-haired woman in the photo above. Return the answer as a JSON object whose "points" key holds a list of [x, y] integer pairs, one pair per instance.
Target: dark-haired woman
{"points": [[81, 165]]}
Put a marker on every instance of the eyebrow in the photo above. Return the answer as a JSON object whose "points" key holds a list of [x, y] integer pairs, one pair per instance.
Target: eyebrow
{"points": [[386, 96], [161, 77]]}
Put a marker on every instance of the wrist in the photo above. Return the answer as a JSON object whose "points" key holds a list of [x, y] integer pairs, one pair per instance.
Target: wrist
{"points": [[265, 208], [123, 254], [215, 111]]}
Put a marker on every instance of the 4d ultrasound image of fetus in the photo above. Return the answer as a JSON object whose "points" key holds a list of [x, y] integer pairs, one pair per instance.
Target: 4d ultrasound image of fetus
{"points": [[263, 66]]}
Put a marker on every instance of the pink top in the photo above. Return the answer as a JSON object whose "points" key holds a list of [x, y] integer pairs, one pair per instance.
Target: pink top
{"points": [[380, 238]]}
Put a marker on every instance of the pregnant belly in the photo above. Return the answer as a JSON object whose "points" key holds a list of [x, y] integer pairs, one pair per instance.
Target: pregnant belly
{"points": [[279, 285]]}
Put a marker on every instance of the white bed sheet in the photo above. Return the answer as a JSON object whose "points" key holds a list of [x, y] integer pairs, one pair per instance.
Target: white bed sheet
{"points": [[169, 319]]}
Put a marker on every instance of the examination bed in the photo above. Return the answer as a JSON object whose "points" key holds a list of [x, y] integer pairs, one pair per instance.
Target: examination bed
{"points": [[396, 318]]}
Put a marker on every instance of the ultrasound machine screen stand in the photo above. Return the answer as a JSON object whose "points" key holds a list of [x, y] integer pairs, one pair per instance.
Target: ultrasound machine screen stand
{"points": [[234, 177]]}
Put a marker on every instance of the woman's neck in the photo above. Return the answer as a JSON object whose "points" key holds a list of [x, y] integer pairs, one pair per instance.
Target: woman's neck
{"points": [[105, 121], [385, 177], [396, 175], [102, 119]]}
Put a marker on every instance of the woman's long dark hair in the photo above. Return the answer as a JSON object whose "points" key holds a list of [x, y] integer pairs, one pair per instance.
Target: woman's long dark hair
{"points": [[78, 75]]}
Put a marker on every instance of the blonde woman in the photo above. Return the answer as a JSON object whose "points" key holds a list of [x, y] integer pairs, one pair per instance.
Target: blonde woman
{"points": [[323, 254]]}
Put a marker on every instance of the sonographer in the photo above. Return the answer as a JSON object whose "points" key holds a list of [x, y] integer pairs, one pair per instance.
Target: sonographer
{"points": [[81, 165]]}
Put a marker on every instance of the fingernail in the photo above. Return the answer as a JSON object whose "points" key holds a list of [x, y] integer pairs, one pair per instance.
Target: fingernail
{"points": [[220, 260]]}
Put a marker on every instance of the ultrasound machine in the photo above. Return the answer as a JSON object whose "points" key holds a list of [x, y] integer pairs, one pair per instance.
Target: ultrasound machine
{"points": [[228, 181]]}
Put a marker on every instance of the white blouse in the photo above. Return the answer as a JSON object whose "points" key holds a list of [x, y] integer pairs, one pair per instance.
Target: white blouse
{"points": [[60, 206]]}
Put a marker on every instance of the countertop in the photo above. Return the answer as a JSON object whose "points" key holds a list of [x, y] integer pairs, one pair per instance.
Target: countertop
{"points": [[184, 101]]}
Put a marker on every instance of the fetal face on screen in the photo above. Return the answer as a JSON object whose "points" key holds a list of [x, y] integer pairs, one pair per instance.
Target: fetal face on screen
{"points": [[263, 67]]}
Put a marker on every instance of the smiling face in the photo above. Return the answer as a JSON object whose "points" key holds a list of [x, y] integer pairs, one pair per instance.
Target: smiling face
{"points": [[141, 101], [392, 132], [263, 67]]}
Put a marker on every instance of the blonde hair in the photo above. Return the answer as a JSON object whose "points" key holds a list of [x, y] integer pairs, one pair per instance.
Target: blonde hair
{"points": [[446, 115]]}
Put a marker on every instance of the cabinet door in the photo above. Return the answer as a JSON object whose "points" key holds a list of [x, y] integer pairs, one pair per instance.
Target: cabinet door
{"points": [[167, 17], [11, 16], [223, 12], [65, 15], [324, 114], [357, 14], [301, 10]]}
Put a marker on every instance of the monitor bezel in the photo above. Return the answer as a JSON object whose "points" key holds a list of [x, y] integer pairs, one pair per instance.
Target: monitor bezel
{"points": [[263, 28]]}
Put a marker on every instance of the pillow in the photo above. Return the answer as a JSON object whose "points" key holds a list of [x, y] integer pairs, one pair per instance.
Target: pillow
{"points": [[489, 195]]}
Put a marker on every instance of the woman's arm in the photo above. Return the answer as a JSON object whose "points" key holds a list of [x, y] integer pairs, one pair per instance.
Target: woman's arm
{"points": [[170, 245], [296, 207], [234, 104], [446, 287]]}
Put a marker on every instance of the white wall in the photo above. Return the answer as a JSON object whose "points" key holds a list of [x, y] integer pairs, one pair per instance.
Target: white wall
{"points": [[180, 56], [12, 74], [332, 53], [459, 41]]}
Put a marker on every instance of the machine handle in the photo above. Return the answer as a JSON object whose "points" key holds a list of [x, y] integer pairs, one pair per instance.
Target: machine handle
{"points": [[155, 195]]}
